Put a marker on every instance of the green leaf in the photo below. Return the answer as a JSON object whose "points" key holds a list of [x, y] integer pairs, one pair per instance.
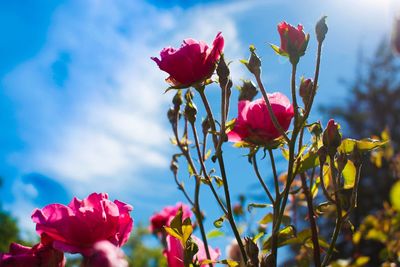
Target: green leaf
{"points": [[349, 175], [286, 236], [191, 171], [308, 161], [364, 145], [395, 196], [218, 222], [257, 205], [266, 219], [361, 261], [215, 233], [278, 50], [258, 236]]}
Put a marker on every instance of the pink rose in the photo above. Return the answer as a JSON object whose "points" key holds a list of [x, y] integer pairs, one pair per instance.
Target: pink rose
{"points": [[76, 227], [105, 254], [193, 62], [174, 252], [292, 39], [165, 216], [38, 256], [254, 124]]}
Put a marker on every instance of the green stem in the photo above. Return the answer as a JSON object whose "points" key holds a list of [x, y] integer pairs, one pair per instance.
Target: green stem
{"points": [[260, 179], [223, 175]]}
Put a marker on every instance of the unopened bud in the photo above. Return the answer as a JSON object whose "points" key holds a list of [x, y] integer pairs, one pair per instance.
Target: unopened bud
{"points": [[190, 111], [174, 166], [223, 71], [321, 29], [237, 210], [316, 129], [305, 91], [332, 138], [247, 91], [254, 64], [177, 100]]}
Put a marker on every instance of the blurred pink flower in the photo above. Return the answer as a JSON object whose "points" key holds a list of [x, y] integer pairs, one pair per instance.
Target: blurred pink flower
{"points": [[254, 124], [164, 217], [38, 256], [106, 254], [76, 227], [193, 62], [174, 252]]}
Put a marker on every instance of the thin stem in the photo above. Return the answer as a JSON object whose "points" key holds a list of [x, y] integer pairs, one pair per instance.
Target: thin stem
{"points": [[353, 201], [223, 175], [315, 86], [339, 219], [324, 190], [269, 107], [254, 160], [181, 187], [294, 98], [276, 182], [204, 170], [313, 224]]}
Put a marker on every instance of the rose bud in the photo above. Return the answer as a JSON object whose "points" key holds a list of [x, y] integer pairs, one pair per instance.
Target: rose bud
{"points": [[192, 63], [306, 86], [75, 228], [254, 125], [331, 137], [293, 41], [247, 91]]}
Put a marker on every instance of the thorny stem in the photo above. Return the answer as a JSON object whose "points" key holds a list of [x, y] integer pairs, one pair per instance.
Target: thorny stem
{"points": [[221, 164], [254, 160]]}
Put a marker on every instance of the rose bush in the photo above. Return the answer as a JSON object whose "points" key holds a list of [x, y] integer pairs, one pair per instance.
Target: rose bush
{"points": [[192, 63], [254, 125], [75, 228]]}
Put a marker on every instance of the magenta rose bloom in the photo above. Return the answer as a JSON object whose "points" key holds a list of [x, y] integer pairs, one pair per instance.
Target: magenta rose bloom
{"points": [[165, 216], [37, 256], [76, 227], [174, 252], [192, 63], [254, 125], [292, 38], [105, 254]]}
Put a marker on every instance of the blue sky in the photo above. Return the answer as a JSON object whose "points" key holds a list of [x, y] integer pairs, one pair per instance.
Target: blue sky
{"points": [[82, 107]]}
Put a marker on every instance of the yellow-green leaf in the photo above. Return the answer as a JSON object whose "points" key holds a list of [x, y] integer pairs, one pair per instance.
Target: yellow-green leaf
{"points": [[395, 195], [214, 233], [349, 175], [364, 145]]}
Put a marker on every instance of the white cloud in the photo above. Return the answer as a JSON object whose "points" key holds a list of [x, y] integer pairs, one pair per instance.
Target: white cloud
{"points": [[98, 121]]}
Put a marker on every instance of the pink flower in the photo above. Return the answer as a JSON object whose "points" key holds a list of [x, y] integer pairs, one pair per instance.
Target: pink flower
{"points": [[165, 216], [254, 125], [192, 63], [106, 254], [38, 256], [76, 227], [174, 252], [292, 39]]}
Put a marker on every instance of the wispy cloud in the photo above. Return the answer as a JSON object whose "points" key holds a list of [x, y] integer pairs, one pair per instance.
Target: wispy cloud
{"points": [[90, 105]]}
